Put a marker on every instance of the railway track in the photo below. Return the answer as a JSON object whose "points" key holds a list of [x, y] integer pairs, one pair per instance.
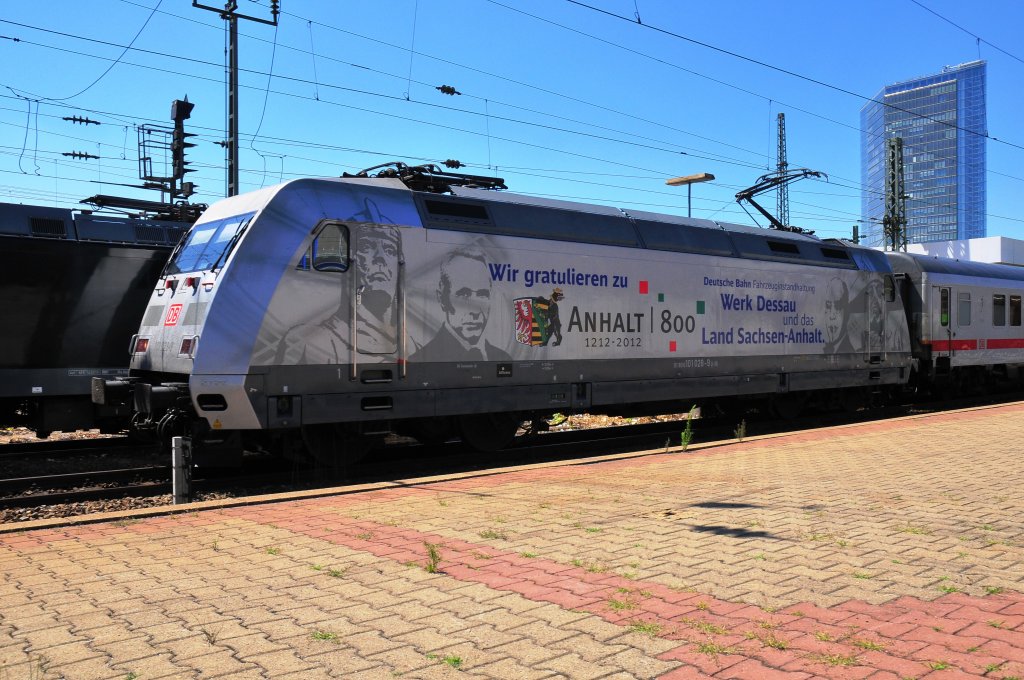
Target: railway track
{"points": [[67, 493], [79, 486], [69, 447]]}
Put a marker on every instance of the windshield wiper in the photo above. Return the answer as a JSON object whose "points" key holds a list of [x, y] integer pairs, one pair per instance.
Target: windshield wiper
{"points": [[231, 244]]}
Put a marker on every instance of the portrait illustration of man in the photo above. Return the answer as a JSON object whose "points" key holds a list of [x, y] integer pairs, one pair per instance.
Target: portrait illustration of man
{"points": [[837, 308], [464, 295], [376, 256], [876, 317]]}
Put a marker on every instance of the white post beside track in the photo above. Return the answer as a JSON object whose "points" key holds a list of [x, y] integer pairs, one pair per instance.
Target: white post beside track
{"points": [[181, 469]]}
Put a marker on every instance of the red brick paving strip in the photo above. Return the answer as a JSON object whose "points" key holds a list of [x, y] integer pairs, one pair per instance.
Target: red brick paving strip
{"points": [[722, 639]]}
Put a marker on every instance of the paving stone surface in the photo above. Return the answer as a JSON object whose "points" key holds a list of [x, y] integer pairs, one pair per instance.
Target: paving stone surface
{"points": [[884, 550]]}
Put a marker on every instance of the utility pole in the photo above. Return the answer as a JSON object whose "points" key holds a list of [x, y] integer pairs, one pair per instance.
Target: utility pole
{"points": [[230, 14], [894, 223], [782, 195]]}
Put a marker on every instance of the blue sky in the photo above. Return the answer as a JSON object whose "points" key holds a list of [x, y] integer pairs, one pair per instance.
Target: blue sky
{"points": [[575, 100]]}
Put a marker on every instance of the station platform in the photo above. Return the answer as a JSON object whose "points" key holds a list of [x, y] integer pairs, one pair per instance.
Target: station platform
{"points": [[883, 550]]}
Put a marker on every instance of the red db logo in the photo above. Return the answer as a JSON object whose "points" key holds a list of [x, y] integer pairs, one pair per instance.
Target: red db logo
{"points": [[173, 312]]}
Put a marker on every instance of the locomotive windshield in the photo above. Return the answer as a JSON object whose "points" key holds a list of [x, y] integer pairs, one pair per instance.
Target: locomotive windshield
{"points": [[208, 244]]}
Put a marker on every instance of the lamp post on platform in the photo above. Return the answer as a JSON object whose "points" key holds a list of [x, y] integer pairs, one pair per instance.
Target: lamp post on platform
{"points": [[689, 181]]}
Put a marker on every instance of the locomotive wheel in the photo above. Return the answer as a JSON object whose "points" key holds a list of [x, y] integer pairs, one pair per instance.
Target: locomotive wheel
{"points": [[432, 431], [332, 447], [853, 400], [488, 432], [788, 406]]}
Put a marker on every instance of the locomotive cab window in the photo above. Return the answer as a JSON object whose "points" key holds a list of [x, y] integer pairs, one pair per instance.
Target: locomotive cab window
{"points": [[1014, 310], [963, 309], [889, 289], [208, 245], [329, 251], [998, 310]]}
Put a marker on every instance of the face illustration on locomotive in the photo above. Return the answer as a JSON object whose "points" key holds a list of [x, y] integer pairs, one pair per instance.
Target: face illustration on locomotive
{"points": [[376, 256], [463, 295], [837, 303]]}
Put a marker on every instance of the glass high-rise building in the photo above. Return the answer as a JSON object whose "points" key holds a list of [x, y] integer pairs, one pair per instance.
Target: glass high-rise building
{"points": [[941, 119]]}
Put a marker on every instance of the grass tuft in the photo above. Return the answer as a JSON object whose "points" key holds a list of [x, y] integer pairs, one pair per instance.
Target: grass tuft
{"points": [[713, 648], [869, 645], [433, 557], [705, 627], [495, 534], [836, 659], [770, 640], [686, 436], [648, 629]]}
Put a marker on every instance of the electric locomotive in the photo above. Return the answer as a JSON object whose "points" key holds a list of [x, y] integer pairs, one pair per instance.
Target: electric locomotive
{"points": [[74, 286], [324, 313]]}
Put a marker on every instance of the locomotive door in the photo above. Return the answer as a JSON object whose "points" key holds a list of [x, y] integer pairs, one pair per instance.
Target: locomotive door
{"points": [[377, 293], [875, 301], [942, 323]]}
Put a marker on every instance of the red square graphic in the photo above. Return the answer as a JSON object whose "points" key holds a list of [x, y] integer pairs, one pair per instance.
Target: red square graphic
{"points": [[671, 345], [643, 288]]}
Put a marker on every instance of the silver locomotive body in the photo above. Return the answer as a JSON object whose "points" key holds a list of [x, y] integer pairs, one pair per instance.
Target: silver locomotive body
{"points": [[359, 305]]}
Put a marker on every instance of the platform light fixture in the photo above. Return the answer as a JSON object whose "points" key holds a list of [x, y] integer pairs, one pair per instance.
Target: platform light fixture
{"points": [[689, 181]]}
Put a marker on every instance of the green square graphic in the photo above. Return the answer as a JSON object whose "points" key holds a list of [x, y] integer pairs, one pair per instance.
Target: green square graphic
{"points": [[700, 306], [661, 297]]}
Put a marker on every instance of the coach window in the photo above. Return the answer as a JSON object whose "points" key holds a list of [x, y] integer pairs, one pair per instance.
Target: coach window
{"points": [[329, 251], [1014, 310], [963, 309], [944, 307], [998, 310]]}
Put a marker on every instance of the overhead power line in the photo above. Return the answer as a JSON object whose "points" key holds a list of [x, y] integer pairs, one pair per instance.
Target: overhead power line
{"points": [[477, 114], [970, 33], [453, 109], [778, 69], [115, 62], [715, 157]]}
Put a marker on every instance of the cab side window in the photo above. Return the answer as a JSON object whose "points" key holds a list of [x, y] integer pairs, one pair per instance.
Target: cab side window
{"points": [[329, 251], [1015, 310]]}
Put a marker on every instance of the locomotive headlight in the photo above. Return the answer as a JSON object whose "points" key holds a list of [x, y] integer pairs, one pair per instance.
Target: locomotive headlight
{"points": [[141, 345], [188, 346]]}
